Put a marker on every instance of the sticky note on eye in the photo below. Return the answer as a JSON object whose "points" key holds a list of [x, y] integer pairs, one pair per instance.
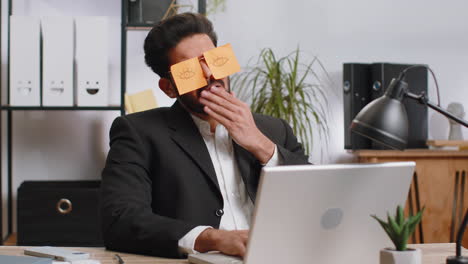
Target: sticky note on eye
{"points": [[222, 61], [188, 75]]}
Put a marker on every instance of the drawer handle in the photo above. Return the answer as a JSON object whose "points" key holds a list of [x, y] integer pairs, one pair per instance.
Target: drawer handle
{"points": [[64, 206]]}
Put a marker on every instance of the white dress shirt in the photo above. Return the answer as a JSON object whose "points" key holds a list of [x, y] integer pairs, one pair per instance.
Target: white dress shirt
{"points": [[238, 207]]}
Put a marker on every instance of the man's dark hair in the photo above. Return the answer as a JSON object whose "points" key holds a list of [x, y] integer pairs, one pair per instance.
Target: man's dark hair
{"points": [[168, 33]]}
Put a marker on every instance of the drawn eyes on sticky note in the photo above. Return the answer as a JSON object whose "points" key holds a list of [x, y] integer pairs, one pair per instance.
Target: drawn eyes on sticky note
{"points": [[222, 61], [188, 75]]}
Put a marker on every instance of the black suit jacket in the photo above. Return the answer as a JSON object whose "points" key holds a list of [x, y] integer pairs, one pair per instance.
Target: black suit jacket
{"points": [[159, 181]]}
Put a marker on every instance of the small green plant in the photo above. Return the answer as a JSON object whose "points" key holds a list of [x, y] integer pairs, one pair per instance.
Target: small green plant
{"points": [[400, 229]]}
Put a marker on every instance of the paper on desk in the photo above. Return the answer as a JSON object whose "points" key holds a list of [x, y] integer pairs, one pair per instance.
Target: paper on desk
{"points": [[24, 260], [81, 261]]}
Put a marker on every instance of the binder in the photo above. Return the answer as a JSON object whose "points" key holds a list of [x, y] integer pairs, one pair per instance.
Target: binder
{"points": [[356, 95], [57, 61], [24, 61], [92, 61]]}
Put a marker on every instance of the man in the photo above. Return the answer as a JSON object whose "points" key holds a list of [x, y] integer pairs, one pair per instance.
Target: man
{"points": [[184, 179]]}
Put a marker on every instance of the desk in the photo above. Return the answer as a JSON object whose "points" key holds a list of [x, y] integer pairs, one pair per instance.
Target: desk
{"points": [[432, 254], [101, 254], [439, 183]]}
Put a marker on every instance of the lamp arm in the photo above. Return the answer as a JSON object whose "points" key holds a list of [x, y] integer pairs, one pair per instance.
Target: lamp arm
{"points": [[422, 99], [460, 233]]}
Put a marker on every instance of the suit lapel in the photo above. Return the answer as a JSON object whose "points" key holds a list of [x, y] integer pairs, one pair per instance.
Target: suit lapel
{"points": [[245, 163], [185, 133]]}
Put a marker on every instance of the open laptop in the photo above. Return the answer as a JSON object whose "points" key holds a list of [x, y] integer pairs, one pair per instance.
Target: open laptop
{"points": [[321, 214]]}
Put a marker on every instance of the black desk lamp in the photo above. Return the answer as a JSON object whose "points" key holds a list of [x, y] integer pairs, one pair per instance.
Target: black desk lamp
{"points": [[385, 120]]}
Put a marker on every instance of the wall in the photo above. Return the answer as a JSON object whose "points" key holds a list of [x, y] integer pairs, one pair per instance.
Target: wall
{"points": [[337, 31], [73, 145]]}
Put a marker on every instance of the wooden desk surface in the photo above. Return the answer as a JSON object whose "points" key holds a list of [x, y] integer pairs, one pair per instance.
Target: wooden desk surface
{"points": [[101, 254], [432, 254], [412, 153]]}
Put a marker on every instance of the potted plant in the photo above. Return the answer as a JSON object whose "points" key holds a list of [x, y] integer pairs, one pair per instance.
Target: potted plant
{"points": [[399, 230], [289, 89]]}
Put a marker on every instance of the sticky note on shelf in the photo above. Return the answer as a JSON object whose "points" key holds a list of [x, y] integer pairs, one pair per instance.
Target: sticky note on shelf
{"points": [[188, 75], [140, 101], [222, 61]]}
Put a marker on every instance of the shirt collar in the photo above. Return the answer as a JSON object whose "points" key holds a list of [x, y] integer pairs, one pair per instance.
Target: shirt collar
{"points": [[221, 134], [203, 126]]}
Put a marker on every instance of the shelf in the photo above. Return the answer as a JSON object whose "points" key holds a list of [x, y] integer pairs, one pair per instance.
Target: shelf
{"points": [[62, 108], [448, 143], [138, 27], [7, 124], [411, 153]]}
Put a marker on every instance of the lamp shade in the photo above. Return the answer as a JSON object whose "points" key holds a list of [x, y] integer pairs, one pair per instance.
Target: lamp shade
{"points": [[383, 120]]}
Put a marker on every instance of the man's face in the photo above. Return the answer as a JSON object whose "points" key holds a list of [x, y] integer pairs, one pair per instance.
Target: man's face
{"points": [[190, 47]]}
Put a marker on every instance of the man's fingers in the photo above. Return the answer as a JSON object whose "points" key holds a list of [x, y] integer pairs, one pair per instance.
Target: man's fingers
{"points": [[218, 99], [228, 96], [234, 243], [242, 251], [219, 104], [218, 117], [245, 238], [244, 234], [240, 248], [219, 110]]}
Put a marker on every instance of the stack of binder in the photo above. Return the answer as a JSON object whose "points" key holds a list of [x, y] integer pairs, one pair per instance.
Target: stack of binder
{"points": [[70, 69]]}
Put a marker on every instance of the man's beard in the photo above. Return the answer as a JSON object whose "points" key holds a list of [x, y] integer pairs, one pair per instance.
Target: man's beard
{"points": [[192, 102]]}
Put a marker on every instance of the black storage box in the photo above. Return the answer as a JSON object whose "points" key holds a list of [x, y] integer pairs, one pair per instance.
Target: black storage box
{"points": [[59, 213]]}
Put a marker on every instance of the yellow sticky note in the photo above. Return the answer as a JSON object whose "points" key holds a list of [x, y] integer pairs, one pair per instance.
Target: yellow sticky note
{"points": [[140, 101], [188, 75], [222, 61]]}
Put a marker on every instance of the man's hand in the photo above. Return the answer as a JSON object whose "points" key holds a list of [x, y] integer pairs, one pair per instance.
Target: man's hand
{"points": [[227, 242], [236, 117]]}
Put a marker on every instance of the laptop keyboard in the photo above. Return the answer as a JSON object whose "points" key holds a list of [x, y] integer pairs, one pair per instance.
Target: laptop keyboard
{"points": [[214, 258]]}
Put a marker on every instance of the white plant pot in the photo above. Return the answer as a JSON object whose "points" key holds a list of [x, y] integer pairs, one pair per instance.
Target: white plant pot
{"points": [[391, 256]]}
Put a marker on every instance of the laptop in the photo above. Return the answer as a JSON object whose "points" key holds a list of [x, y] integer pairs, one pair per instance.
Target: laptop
{"points": [[321, 214]]}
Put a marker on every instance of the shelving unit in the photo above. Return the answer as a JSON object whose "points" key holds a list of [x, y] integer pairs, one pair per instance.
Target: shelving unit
{"points": [[1, 120], [9, 120], [143, 28], [124, 28], [62, 108]]}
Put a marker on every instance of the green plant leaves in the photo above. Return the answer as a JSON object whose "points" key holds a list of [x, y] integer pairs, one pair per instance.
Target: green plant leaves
{"points": [[400, 229], [279, 87], [399, 214], [213, 6]]}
